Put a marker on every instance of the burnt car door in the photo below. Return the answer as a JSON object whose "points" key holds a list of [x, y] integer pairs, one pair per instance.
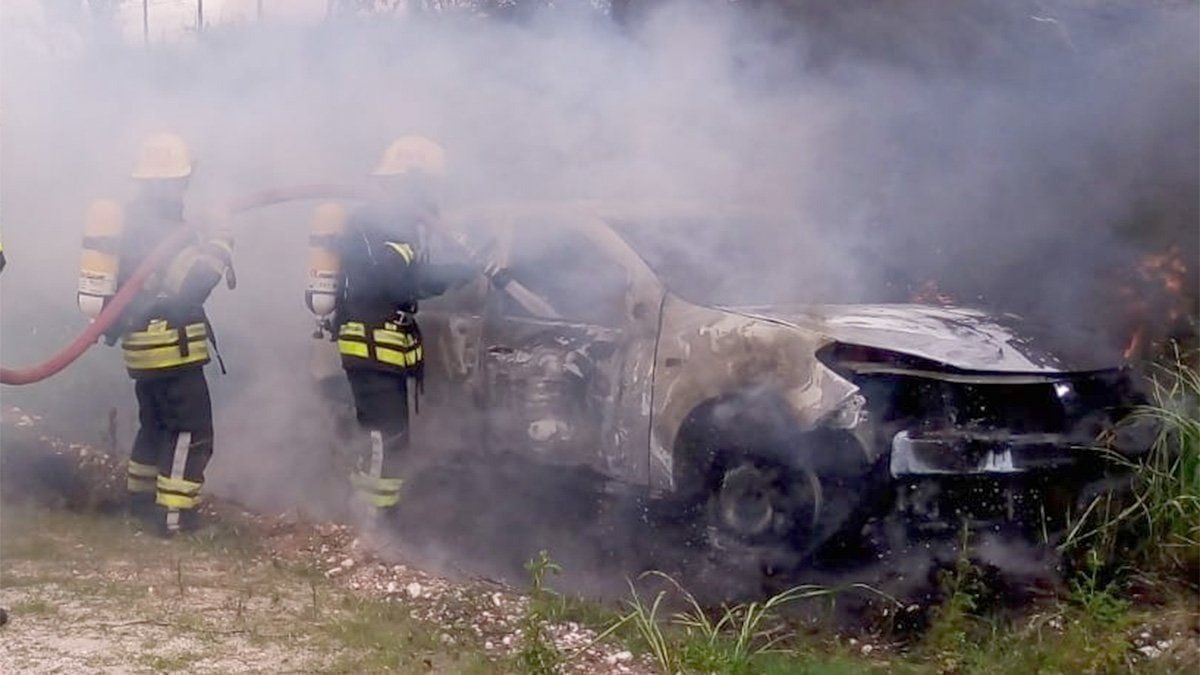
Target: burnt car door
{"points": [[447, 408], [567, 378]]}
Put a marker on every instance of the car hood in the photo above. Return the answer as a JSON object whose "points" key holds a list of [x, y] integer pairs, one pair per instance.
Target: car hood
{"points": [[962, 338]]}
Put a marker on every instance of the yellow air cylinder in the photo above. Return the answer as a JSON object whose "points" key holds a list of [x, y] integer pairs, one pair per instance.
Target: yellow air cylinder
{"points": [[98, 266], [324, 263]]}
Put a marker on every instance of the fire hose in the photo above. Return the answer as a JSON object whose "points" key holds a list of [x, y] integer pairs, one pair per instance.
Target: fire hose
{"points": [[162, 253]]}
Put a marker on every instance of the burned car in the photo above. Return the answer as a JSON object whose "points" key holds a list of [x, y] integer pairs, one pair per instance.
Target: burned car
{"points": [[770, 424]]}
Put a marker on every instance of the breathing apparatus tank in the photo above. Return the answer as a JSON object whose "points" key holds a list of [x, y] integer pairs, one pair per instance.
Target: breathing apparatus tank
{"points": [[324, 263], [98, 266]]}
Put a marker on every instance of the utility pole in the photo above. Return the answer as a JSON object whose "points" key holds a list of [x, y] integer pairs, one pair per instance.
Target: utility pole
{"points": [[199, 16], [146, 22]]}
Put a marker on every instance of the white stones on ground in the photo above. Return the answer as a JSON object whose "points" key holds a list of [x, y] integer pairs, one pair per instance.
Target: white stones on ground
{"points": [[391, 587], [867, 649], [497, 599], [347, 563], [413, 589], [618, 657]]}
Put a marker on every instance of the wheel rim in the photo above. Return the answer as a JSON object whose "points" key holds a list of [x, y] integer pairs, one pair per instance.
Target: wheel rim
{"points": [[746, 503], [751, 504]]}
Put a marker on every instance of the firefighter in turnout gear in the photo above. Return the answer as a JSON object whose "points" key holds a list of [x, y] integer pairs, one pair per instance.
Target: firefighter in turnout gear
{"points": [[381, 274], [164, 333]]}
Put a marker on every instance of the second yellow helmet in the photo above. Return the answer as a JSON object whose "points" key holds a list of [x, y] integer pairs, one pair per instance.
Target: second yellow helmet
{"points": [[164, 155], [412, 153]]}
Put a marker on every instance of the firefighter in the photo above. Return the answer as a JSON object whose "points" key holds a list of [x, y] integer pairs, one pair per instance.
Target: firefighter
{"points": [[381, 275], [164, 333]]}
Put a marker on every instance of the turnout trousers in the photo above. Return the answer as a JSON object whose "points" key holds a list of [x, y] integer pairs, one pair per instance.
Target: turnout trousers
{"points": [[173, 445], [381, 407]]}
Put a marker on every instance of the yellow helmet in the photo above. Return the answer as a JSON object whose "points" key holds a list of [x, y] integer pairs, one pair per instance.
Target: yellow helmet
{"points": [[412, 153], [164, 155]]}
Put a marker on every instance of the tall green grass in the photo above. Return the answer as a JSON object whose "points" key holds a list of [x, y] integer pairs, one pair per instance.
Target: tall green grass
{"points": [[1159, 525], [729, 639]]}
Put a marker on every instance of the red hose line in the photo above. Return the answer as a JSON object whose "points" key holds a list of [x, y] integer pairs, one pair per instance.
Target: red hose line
{"points": [[162, 253]]}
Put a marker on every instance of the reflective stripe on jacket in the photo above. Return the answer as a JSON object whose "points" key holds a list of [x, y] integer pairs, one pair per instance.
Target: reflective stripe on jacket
{"points": [[162, 346], [392, 345]]}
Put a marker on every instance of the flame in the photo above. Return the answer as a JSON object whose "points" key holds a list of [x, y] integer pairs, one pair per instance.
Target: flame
{"points": [[931, 293], [1153, 297]]}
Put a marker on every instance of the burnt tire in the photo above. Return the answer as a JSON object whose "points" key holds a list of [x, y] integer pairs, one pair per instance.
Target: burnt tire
{"points": [[762, 502], [751, 480]]}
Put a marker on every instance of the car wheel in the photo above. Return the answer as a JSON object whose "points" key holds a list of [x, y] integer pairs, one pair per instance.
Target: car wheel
{"points": [[761, 502]]}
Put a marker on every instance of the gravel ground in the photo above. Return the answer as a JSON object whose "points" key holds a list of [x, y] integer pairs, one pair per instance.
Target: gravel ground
{"points": [[95, 603]]}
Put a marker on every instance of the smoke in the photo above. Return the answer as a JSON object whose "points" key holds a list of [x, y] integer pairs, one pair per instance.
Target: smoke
{"points": [[1018, 154]]}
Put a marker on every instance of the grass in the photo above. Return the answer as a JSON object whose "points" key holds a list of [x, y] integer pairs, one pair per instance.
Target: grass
{"points": [[36, 606], [1158, 527], [736, 639], [378, 636]]}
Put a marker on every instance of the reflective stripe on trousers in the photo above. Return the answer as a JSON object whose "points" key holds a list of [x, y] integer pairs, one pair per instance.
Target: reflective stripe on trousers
{"points": [[141, 477], [371, 485], [176, 492]]}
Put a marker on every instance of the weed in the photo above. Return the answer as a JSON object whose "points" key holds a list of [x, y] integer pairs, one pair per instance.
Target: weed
{"points": [[539, 654], [731, 639], [1098, 599], [646, 619], [954, 621]]}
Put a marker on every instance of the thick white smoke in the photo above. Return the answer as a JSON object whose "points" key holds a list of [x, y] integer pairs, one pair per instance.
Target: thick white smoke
{"points": [[893, 156]]}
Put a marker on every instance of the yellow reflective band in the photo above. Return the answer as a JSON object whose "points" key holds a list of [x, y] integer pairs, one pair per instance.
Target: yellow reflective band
{"points": [[403, 249], [352, 329], [352, 348], [174, 501], [177, 493], [399, 358], [397, 338], [364, 482], [380, 492], [135, 484], [158, 335], [165, 357], [187, 487], [142, 470], [381, 501]]}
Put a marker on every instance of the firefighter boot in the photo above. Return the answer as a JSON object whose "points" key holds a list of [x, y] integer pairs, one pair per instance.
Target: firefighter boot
{"points": [[178, 521], [143, 510]]}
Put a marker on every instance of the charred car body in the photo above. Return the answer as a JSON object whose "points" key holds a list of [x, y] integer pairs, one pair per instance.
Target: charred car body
{"points": [[771, 424]]}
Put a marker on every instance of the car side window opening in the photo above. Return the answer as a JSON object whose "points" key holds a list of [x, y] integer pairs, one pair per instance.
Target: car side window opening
{"points": [[578, 279]]}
